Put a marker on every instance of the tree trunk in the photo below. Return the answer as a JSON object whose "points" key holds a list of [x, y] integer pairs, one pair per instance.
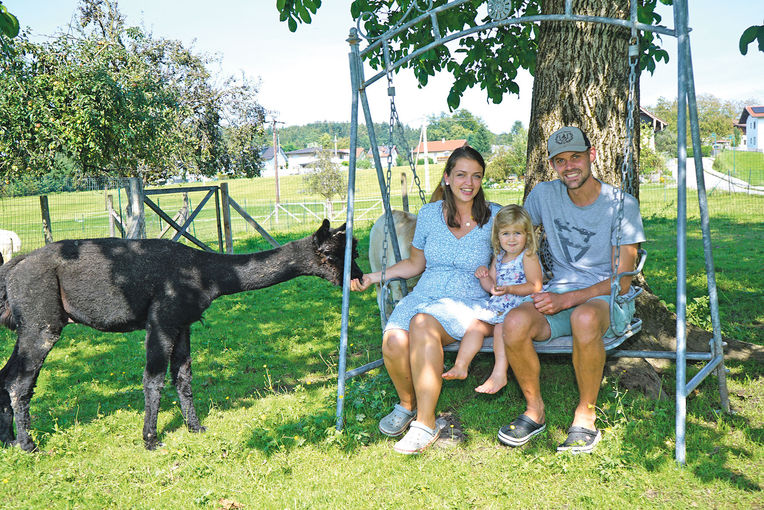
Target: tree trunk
{"points": [[581, 79]]}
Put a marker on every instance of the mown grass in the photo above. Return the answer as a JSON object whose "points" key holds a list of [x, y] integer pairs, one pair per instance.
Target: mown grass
{"points": [[265, 366], [748, 166]]}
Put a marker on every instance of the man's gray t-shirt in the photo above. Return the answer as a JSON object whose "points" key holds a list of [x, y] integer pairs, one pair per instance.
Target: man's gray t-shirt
{"points": [[581, 238]]}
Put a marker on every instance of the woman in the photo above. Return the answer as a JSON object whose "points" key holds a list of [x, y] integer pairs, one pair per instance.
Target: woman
{"points": [[451, 241]]}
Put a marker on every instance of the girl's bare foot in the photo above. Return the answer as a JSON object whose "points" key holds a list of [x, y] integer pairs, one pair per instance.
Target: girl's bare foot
{"points": [[493, 384], [456, 372]]}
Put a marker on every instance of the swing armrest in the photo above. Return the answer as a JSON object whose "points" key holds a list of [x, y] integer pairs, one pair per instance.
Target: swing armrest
{"points": [[641, 258]]}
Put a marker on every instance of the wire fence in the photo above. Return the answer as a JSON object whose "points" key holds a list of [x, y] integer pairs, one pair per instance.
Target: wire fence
{"points": [[84, 213]]}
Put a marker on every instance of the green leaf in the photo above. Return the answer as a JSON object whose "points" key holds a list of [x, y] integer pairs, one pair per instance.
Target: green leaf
{"points": [[280, 4], [304, 14], [9, 25], [292, 25], [749, 35]]}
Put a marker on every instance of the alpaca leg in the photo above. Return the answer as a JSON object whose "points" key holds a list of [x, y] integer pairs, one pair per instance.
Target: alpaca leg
{"points": [[158, 349], [7, 436], [180, 370], [19, 378]]}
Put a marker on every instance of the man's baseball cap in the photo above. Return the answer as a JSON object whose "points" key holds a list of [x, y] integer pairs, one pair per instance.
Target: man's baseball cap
{"points": [[567, 139]]}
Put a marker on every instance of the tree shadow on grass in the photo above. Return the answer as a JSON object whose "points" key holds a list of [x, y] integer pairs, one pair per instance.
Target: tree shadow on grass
{"points": [[252, 343]]}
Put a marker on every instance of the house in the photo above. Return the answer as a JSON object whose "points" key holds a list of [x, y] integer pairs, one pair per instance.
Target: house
{"points": [[266, 155], [303, 159], [752, 125], [382, 150], [440, 150], [344, 154], [654, 123]]}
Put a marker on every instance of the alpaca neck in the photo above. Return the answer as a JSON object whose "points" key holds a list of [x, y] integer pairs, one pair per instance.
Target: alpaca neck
{"points": [[253, 271]]}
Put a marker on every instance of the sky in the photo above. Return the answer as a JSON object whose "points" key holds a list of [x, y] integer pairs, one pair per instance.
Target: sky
{"points": [[304, 76]]}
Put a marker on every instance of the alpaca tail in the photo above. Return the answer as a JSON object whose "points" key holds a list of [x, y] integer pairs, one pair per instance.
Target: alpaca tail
{"points": [[6, 317]]}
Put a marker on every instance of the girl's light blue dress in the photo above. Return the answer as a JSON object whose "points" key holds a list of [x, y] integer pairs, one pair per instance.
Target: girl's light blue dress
{"points": [[448, 289], [507, 273]]}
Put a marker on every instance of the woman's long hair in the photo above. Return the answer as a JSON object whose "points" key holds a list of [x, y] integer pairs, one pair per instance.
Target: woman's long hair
{"points": [[480, 210]]}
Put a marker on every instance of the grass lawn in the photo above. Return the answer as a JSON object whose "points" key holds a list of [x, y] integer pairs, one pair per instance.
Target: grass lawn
{"points": [[265, 366], [748, 166]]}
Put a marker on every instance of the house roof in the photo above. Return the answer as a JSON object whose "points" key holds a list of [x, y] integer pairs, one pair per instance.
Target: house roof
{"points": [[751, 111], [358, 151], [650, 118], [308, 150], [267, 153], [442, 145]]}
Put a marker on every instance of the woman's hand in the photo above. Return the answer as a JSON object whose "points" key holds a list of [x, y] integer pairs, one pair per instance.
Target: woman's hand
{"points": [[360, 285]]}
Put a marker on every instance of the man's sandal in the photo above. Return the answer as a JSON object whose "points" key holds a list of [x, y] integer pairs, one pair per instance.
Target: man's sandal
{"points": [[520, 431], [396, 423], [417, 439], [580, 440]]}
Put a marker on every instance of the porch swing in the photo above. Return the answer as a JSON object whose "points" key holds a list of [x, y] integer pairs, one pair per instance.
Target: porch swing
{"points": [[500, 10]]}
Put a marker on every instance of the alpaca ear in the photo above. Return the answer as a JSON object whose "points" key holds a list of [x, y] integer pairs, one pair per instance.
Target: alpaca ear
{"points": [[322, 234]]}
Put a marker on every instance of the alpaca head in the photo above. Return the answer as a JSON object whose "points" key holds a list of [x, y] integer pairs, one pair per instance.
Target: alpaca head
{"points": [[329, 245]]}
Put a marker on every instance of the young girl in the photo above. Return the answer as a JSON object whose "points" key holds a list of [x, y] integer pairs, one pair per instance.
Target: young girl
{"points": [[515, 273]]}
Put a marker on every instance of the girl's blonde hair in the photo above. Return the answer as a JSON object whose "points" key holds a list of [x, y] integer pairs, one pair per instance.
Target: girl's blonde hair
{"points": [[514, 215]]}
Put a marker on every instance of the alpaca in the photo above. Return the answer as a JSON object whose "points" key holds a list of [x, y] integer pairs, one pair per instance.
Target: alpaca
{"points": [[10, 243], [405, 224], [121, 285]]}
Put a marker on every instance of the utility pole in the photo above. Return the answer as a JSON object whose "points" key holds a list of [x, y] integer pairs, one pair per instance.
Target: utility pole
{"points": [[426, 158], [276, 166]]}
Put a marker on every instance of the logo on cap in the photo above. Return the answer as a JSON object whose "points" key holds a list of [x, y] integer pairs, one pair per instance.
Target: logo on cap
{"points": [[563, 137]]}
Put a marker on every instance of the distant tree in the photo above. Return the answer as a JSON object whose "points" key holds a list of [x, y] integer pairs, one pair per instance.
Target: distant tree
{"points": [[461, 124], [326, 179], [716, 117], [509, 159], [113, 99]]}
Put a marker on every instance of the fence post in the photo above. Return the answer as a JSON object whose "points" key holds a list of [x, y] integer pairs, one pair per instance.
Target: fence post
{"points": [[136, 221], [404, 192], [46, 228], [225, 205], [110, 209]]}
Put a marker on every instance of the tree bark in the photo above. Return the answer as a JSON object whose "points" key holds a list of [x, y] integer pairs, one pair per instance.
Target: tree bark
{"points": [[581, 79]]}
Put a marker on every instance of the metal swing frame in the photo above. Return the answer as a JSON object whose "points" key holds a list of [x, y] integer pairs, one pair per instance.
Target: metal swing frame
{"points": [[500, 11]]}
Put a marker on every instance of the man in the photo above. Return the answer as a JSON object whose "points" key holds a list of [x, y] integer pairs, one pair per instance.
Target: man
{"points": [[578, 213]]}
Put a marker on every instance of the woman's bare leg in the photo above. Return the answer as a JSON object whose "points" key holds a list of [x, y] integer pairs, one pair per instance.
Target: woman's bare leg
{"points": [[427, 337], [396, 353]]}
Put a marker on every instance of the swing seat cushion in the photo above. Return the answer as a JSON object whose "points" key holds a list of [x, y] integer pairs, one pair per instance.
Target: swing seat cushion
{"points": [[561, 345]]}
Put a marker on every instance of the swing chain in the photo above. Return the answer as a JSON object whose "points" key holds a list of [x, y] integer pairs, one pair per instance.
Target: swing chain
{"points": [[402, 136], [389, 176], [626, 172]]}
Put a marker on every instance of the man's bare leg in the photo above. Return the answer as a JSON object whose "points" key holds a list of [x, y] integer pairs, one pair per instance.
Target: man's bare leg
{"points": [[521, 326], [589, 322]]}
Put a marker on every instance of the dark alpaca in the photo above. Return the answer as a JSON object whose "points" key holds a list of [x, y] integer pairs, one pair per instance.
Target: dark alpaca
{"points": [[125, 285]]}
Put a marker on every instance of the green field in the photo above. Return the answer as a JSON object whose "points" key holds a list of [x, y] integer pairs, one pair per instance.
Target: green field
{"points": [[748, 166], [265, 368]]}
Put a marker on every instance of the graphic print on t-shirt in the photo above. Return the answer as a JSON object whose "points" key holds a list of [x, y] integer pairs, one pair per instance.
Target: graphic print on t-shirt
{"points": [[573, 240]]}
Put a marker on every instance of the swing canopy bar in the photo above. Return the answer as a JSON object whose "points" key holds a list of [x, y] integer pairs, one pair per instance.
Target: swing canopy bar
{"points": [[498, 11], [422, 16]]}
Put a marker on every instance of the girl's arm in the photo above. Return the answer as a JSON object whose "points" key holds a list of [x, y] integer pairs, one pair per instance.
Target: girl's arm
{"points": [[487, 277], [533, 277], [406, 268]]}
